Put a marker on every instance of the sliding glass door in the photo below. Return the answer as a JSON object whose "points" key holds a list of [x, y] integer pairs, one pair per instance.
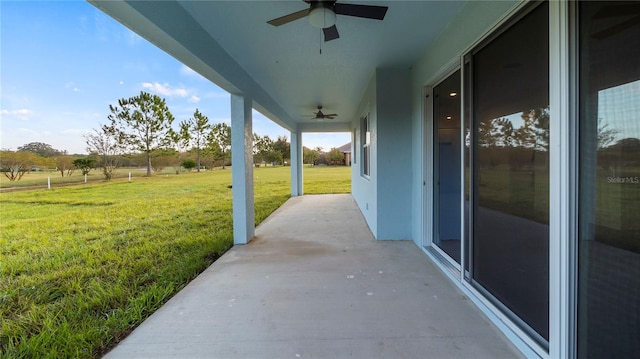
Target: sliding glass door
{"points": [[492, 166], [609, 175], [508, 105]]}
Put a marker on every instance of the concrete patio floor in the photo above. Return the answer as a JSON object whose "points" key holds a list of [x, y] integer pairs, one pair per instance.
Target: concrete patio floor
{"points": [[315, 284]]}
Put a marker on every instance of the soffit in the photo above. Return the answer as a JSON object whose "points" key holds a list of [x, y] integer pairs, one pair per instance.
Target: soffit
{"points": [[281, 68]]}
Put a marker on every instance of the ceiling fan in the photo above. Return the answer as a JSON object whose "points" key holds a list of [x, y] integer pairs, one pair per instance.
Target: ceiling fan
{"points": [[322, 14], [322, 116]]}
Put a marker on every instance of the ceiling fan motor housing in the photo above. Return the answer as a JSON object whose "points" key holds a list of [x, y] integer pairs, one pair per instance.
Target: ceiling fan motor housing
{"points": [[322, 14]]}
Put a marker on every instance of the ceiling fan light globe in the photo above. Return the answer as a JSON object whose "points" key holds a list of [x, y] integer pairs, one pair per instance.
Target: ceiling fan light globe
{"points": [[322, 17]]}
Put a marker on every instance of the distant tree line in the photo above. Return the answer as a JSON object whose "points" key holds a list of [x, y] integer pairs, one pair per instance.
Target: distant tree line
{"points": [[316, 156], [140, 133], [525, 145]]}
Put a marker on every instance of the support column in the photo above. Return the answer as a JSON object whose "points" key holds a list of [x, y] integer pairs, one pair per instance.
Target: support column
{"points": [[242, 169], [296, 164]]}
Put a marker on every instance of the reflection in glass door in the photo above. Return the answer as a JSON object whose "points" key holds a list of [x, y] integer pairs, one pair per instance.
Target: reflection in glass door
{"points": [[509, 258], [609, 175], [447, 147]]}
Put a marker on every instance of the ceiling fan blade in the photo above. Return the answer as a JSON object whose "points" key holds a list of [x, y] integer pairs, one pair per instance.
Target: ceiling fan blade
{"points": [[366, 11], [330, 33], [288, 18], [331, 115]]}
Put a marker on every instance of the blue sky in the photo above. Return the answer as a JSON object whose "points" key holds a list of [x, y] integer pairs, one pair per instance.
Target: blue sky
{"points": [[63, 62]]}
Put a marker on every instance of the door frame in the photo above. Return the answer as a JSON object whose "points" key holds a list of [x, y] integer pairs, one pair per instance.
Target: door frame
{"points": [[430, 218]]}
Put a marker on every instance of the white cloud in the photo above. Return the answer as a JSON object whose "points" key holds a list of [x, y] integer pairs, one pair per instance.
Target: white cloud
{"points": [[21, 114], [165, 89], [194, 99]]}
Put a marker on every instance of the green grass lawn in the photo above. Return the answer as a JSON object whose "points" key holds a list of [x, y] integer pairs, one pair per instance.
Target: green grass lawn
{"points": [[323, 179], [81, 266], [519, 193]]}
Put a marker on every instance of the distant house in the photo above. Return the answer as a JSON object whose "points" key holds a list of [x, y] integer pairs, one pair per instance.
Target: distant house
{"points": [[346, 150]]}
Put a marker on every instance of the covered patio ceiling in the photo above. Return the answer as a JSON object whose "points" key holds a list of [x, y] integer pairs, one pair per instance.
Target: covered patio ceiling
{"points": [[281, 68]]}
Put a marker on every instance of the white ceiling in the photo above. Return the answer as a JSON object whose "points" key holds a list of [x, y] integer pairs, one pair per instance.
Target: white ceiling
{"points": [[281, 68]]}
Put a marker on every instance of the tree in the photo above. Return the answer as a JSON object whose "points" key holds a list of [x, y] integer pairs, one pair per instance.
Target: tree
{"points": [[606, 135], [505, 132], [142, 123], [264, 146], [620, 158], [263, 149], [335, 156], [42, 149], [132, 159], [193, 134], [488, 133], [84, 164], [64, 164], [189, 164], [104, 144], [219, 140], [322, 156], [257, 143], [536, 128], [15, 164], [282, 148], [163, 158], [209, 155], [309, 155]]}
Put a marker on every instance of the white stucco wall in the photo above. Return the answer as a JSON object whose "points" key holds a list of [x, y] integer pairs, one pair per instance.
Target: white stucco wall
{"points": [[394, 170], [364, 189], [384, 196]]}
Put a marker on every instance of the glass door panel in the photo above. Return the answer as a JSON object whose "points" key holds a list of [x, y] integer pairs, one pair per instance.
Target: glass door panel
{"points": [[609, 180], [447, 147], [510, 170]]}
